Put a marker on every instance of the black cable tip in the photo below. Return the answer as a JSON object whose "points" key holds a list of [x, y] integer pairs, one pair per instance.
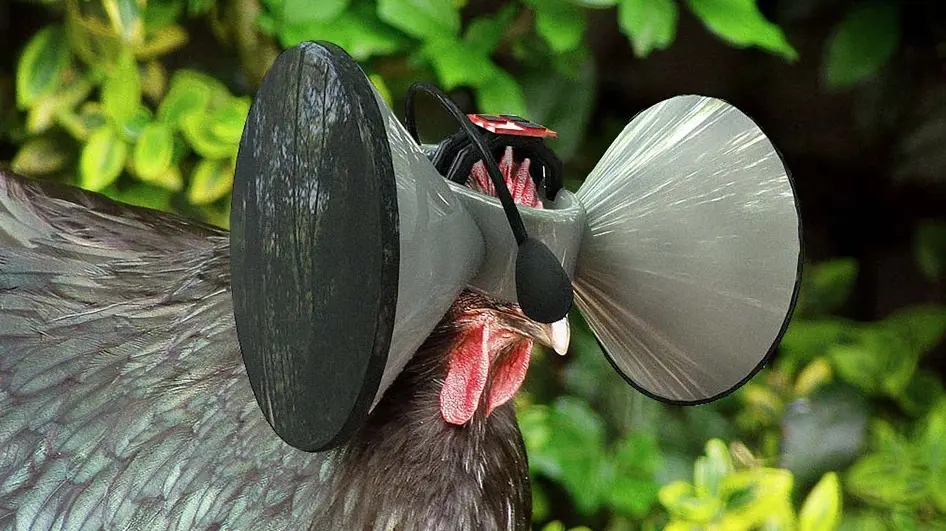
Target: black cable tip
{"points": [[542, 286]]}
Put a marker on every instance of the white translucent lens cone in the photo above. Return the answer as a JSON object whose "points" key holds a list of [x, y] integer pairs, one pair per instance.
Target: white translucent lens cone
{"points": [[690, 264]]}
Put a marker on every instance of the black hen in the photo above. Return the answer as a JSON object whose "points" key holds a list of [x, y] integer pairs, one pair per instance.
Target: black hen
{"points": [[124, 402]]}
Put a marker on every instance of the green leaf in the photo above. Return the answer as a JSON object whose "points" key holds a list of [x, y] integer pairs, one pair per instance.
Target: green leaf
{"points": [[57, 106], [541, 506], [682, 501], [457, 64], [878, 359], [922, 327], [201, 134], [822, 508], [806, 340], [560, 24], [44, 60], [131, 129], [142, 194], [863, 521], [861, 44], [483, 34], [564, 444], [153, 151], [649, 24], [932, 442], [303, 11], [929, 247], [595, 4], [754, 495], [162, 41], [501, 94], [187, 95], [887, 480], [102, 159], [710, 469], [358, 31], [125, 16], [903, 519], [89, 119], [826, 286], [170, 180], [740, 23], [41, 155], [162, 13], [923, 391], [422, 19], [633, 496], [210, 181], [227, 122], [813, 376], [637, 453]]}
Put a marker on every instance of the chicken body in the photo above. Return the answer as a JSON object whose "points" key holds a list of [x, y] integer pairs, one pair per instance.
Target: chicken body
{"points": [[124, 403]]}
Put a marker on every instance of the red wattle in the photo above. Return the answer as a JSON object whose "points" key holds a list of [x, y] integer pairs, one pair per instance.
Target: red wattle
{"points": [[466, 377], [509, 375]]}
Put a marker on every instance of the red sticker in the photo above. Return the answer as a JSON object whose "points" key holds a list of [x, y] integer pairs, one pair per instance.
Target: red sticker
{"points": [[507, 124]]}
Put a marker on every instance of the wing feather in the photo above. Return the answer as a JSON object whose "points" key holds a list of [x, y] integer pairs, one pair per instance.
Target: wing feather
{"points": [[123, 399]]}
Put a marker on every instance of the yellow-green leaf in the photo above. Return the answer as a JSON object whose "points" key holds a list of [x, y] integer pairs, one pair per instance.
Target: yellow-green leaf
{"points": [[121, 90], [754, 495], [210, 181], [45, 58], [102, 159], [186, 96], [226, 123], [80, 125], [40, 156], [125, 17], [822, 508], [814, 375], [199, 131], [42, 114], [154, 81], [132, 128], [49, 108], [887, 480], [682, 501], [153, 151], [171, 179], [709, 470], [162, 41]]}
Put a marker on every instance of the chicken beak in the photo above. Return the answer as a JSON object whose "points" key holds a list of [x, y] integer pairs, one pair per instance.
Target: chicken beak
{"points": [[558, 335]]}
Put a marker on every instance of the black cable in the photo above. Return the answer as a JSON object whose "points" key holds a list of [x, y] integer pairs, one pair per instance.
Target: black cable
{"points": [[502, 192], [543, 289]]}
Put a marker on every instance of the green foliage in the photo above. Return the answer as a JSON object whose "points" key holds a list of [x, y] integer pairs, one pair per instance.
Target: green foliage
{"points": [[566, 443], [92, 84], [723, 496], [862, 43], [649, 24], [740, 23]]}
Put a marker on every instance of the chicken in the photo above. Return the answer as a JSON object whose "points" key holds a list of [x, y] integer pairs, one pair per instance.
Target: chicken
{"points": [[124, 403]]}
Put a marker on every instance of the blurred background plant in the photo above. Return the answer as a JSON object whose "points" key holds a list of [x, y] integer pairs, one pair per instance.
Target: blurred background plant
{"points": [[144, 101]]}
